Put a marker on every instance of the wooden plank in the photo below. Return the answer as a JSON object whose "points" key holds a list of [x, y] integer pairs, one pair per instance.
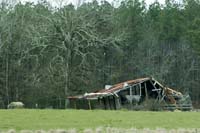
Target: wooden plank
{"points": [[153, 85], [114, 102], [140, 90], [118, 104], [146, 93], [104, 102], [89, 105], [109, 103], [131, 94]]}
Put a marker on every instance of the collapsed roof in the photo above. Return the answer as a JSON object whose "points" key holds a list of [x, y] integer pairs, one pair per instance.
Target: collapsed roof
{"points": [[135, 91]]}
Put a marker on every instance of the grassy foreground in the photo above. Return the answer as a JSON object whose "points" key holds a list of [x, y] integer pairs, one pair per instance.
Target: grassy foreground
{"points": [[80, 119]]}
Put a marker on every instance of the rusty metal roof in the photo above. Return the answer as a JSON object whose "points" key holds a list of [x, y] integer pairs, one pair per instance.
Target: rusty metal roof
{"points": [[119, 86], [111, 90]]}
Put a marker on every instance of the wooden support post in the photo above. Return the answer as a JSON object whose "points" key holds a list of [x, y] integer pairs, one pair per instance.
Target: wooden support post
{"points": [[140, 90], [146, 92], [109, 103], [114, 102], [157, 90], [153, 85], [89, 104], [104, 102], [131, 95], [100, 103], [118, 103]]}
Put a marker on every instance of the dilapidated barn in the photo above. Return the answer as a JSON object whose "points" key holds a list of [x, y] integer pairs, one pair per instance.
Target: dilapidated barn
{"points": [[132, 94]]}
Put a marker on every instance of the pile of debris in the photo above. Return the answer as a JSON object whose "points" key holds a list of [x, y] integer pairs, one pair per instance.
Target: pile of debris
{"points": [[132, 94]]}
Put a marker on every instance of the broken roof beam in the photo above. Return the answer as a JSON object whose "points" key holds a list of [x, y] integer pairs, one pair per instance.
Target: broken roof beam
{"points": [[156, 82], [132, 85], [94, 96]]}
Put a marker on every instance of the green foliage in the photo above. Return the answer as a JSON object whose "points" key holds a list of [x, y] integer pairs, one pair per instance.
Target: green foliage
{"points": [[47, 54]]}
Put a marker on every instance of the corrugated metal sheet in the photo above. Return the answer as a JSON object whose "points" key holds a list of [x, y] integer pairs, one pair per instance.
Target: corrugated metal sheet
{"points": [[119, 86], [111, 90]]}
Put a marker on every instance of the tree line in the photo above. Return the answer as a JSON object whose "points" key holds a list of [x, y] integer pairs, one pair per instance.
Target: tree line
{"points": [[48, 53]]}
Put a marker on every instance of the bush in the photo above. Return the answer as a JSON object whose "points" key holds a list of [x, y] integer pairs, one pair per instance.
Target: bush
{"points": [[151, 105]]}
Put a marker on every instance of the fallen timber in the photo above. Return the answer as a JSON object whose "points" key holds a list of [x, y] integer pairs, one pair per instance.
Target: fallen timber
{"points": [[138, 94]]}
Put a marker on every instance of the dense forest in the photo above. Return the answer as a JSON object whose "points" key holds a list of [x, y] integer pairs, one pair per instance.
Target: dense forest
{"points": [[48, 53]]}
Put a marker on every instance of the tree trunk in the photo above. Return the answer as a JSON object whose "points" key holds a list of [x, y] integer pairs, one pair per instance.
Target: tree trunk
{"points": [[7, 78], [67, 75]]}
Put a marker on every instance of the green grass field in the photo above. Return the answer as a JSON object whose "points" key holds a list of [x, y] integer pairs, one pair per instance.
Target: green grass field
{"points": [[81, 119]]}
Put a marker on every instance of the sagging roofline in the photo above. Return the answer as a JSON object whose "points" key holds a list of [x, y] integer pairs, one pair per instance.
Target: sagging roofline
{"points": [[132, 93], [116, 88]]}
